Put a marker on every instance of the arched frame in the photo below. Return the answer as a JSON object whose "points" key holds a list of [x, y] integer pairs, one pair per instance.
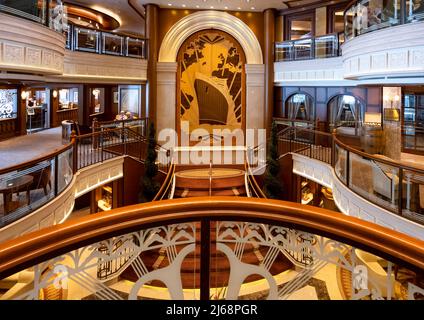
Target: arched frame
{"points": [[204, 20], [285, 111], [180, 55], [167, 65]]}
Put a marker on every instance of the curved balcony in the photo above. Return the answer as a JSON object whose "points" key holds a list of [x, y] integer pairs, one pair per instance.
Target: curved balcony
{"points": [[370, 187], [42, 192], [383, 40], [214, 248], [30, 47]]}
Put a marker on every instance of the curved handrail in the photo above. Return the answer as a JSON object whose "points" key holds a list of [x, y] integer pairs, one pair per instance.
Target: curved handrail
{"points": [[252, 181], [374, 158], [166, 184], [33, 248]]}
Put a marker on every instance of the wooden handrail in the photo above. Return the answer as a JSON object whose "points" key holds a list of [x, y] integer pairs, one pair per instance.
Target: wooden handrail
{"points": [[166, 184], [374, 158], [38, 246]]}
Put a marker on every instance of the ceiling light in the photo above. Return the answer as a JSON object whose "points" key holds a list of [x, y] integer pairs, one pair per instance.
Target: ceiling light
{"points": [[184, 5], [197, 6], [253, 8], [170, 4], [239, 8], [211, 7], [225, 8]]}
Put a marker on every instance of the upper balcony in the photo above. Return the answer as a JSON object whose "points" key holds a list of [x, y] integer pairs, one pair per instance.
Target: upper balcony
{"points": [[383, 40], [32, 43], [33, 38], [309, 60]]}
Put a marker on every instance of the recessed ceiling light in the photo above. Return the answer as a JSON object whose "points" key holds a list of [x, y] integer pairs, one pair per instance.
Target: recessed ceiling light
{"points": [[197, 6], [170, 4], [225, 8], [253, 8], [239, 8], [184, 5], [211, 7]]}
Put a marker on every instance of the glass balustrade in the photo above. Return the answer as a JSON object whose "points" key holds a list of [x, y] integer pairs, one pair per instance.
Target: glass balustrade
{"points": [[340, 164], [25, 189], [53, 14], [312, 48], [375, 181], [365, 16]]}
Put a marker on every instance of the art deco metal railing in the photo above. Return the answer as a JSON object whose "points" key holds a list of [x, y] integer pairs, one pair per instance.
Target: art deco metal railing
{"points": [[214, 248]]}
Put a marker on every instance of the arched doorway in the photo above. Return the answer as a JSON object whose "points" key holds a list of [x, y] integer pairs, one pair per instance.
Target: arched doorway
{"points": [[211, 82], [345, 114], [299, 108]]}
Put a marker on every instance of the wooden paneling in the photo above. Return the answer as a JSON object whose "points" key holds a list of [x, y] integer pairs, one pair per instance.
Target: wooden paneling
{"points": [[7, 128]]}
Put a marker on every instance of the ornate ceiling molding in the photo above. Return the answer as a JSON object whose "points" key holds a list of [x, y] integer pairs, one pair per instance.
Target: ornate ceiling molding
{"points": [[203, 20]]}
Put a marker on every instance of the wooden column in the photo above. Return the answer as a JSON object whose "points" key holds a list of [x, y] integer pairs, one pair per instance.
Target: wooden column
{"points": [[269, 36], [54, 106], [152, 27]]}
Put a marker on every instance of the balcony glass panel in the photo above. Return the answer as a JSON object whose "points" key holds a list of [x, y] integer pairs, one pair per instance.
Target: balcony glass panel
{"points": [[23, 191], [135, 48], [284, 51], [370, 15], [413, 196], [57, 16], [375, 181], [303, 49], [326, 47], [112, 44], [34, 10], [414, 10], [65, 171], [86, 40], [341, 163]]}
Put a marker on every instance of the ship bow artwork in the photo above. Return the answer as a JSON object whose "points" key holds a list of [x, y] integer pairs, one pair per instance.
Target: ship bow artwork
{"points": [[211, 83]]}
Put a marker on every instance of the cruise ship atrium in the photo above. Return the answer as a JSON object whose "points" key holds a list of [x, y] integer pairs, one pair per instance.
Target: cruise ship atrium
{"points": [[211, 150]]}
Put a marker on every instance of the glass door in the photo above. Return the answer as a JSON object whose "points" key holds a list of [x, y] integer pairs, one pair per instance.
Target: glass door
{"points": [[413, 122]]}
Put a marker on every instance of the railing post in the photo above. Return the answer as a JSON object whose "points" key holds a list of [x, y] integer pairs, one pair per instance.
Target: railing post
{"points": [[75, 151], [400, 191], [205, 249], [56, 175], [347, 167]]}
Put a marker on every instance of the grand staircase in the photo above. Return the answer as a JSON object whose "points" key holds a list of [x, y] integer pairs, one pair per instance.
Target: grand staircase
{"points": [[218, 181]]}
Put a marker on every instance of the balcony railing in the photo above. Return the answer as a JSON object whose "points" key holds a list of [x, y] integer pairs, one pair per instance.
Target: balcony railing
{"points": [[327, 46], [51, 13], [364, 16], [95, 41], [391, 185], [214, 248], [29, 186]]}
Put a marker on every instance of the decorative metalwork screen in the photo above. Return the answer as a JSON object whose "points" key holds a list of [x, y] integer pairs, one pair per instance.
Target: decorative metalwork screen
{"points": [[8, 103]]}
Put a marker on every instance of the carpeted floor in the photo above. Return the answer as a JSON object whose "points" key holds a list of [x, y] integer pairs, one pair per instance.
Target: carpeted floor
{"points": [[24, 148]]}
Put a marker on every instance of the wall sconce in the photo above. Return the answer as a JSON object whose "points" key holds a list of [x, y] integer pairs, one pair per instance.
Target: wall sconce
{"points": [[372, 119], [24, 95], [392, 113], [55, 94]]}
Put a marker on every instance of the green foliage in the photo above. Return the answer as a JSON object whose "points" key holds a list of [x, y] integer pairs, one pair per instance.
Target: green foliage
{"points": [[149, 185], [273, 187]]}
